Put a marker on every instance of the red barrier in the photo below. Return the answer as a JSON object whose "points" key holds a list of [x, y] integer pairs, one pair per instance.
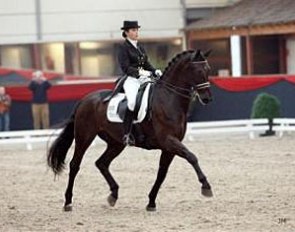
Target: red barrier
{"points": [[249, 83], [58, 92], [77, 91]]}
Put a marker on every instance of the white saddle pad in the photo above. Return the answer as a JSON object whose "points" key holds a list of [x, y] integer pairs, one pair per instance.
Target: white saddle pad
{"points": [[112, 109]]}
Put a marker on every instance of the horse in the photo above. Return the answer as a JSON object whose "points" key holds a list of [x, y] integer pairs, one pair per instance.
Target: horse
{"points": [[185, 77]]}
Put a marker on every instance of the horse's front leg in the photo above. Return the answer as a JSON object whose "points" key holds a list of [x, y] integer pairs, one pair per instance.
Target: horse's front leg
{"points": [[165, 161], [174, 146]]}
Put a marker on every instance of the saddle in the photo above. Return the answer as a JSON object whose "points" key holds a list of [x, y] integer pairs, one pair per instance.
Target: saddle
{"points": [[118, 88], [123, 104], [118, 102]]}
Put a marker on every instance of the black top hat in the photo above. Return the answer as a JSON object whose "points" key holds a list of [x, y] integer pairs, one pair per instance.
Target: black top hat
{"points": [[130, 24]]}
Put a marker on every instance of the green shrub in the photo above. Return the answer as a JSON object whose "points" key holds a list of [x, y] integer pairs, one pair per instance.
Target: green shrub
{"points": [[266, 106]]}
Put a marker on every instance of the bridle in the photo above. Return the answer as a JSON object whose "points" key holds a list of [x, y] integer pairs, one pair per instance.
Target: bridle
{"points": [[189, 93], [185, 92]]}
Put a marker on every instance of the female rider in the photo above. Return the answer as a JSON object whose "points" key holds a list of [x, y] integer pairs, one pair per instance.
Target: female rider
{"points": [[134, 63]]}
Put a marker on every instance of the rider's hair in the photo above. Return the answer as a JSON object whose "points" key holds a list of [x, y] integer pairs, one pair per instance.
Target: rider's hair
{"points": [[124, 34]]}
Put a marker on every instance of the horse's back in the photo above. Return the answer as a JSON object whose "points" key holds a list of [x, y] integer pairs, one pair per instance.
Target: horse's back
{"points": [[98, 95], [90, 103]]}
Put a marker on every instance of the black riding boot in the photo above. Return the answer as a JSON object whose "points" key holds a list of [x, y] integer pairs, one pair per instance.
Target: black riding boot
{"points": [[128, 139]]}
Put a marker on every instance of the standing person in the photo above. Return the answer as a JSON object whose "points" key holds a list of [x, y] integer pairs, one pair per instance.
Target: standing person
{"points": [[5, 103], [134, 63], [40, 108]]}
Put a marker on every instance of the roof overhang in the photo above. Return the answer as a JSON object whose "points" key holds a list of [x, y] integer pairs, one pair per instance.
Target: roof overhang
{"points": [[249, 30]]}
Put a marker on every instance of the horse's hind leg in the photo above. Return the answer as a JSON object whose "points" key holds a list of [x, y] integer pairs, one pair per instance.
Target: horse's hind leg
{"points": [[103, 163], [165, 161], [80, 148]]}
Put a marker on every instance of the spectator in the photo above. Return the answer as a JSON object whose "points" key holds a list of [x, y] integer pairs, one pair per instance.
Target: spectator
{"points": [[40, 109], [5, 103]]}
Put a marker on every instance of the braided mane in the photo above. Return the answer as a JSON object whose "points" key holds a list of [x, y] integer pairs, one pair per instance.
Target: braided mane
{"points": [[176, 59]]}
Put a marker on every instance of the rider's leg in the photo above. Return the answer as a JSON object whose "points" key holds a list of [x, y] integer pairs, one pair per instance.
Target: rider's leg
{"points": [[128, 120], [131, 87]]}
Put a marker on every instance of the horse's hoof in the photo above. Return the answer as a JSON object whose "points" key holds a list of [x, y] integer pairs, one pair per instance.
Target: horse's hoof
{"points": [[68, 208], [111, 200], [207, 192], [151, 209]]}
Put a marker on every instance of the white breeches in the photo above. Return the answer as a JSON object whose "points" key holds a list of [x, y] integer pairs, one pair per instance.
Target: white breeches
{"points": [[131, 87]]}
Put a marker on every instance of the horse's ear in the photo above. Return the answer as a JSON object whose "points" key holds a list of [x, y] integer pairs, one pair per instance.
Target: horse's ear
{"points": [[197, 55], [207, 53]]}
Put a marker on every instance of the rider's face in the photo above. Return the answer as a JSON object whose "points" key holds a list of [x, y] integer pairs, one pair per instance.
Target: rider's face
{"points": [[132, 33]]}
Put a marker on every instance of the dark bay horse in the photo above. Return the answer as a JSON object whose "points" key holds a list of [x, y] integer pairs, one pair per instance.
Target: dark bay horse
{"points": [[185, 77]]}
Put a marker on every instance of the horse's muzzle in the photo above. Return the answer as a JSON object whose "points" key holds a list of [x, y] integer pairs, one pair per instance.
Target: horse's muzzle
{"points": [[207, 100]]}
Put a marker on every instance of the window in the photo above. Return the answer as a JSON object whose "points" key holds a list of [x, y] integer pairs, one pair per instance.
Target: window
{"points": [[52, 57], [266, 54], [97, 59], [220, 60], [72, 63], [160, 53], [100, 58], [16, 56]]}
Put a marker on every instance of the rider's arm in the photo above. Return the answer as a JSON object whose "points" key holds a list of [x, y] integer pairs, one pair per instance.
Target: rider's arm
{"points": [[124, 61]]}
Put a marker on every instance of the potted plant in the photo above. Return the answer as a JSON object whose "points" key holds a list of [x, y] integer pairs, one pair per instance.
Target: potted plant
{"points": [[266, 106]]}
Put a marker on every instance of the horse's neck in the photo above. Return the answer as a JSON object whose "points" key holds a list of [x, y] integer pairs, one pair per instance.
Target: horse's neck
{"points": [[178, 101], [176, 79]]}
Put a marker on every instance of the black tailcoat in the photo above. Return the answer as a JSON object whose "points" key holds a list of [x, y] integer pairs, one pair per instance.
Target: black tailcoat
{"points": [[131, 59]]}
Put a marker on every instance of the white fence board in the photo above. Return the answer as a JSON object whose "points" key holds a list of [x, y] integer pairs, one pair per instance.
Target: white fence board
{"points": [[245, 126], [229, 126], [284, 125]]}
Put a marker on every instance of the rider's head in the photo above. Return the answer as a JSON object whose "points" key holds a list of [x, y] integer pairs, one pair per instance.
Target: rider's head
{"points": [[130, 30]]}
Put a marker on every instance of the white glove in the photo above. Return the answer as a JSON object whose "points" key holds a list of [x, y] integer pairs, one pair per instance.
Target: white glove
{"points": [[158, 73], [143, 72]]}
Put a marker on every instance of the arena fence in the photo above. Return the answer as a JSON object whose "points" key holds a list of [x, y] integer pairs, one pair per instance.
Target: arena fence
{"points": [[195, 130], [282, 125], [248, 126], [28, 137]]}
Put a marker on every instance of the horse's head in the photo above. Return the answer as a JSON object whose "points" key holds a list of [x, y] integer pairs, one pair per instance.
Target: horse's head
{"points": [[198, 72], [187, 76], [198, 69]]}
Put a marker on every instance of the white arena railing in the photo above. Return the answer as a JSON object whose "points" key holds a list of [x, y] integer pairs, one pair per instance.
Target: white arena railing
{"points": [[249, 126], [194, 130], [28, 137], [282, 125]]}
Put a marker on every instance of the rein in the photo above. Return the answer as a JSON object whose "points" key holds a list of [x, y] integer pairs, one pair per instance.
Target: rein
{"points": [[190, 93]]}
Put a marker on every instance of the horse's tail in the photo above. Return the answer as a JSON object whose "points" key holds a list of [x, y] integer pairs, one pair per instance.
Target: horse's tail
{"points": [[57, 152]]}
